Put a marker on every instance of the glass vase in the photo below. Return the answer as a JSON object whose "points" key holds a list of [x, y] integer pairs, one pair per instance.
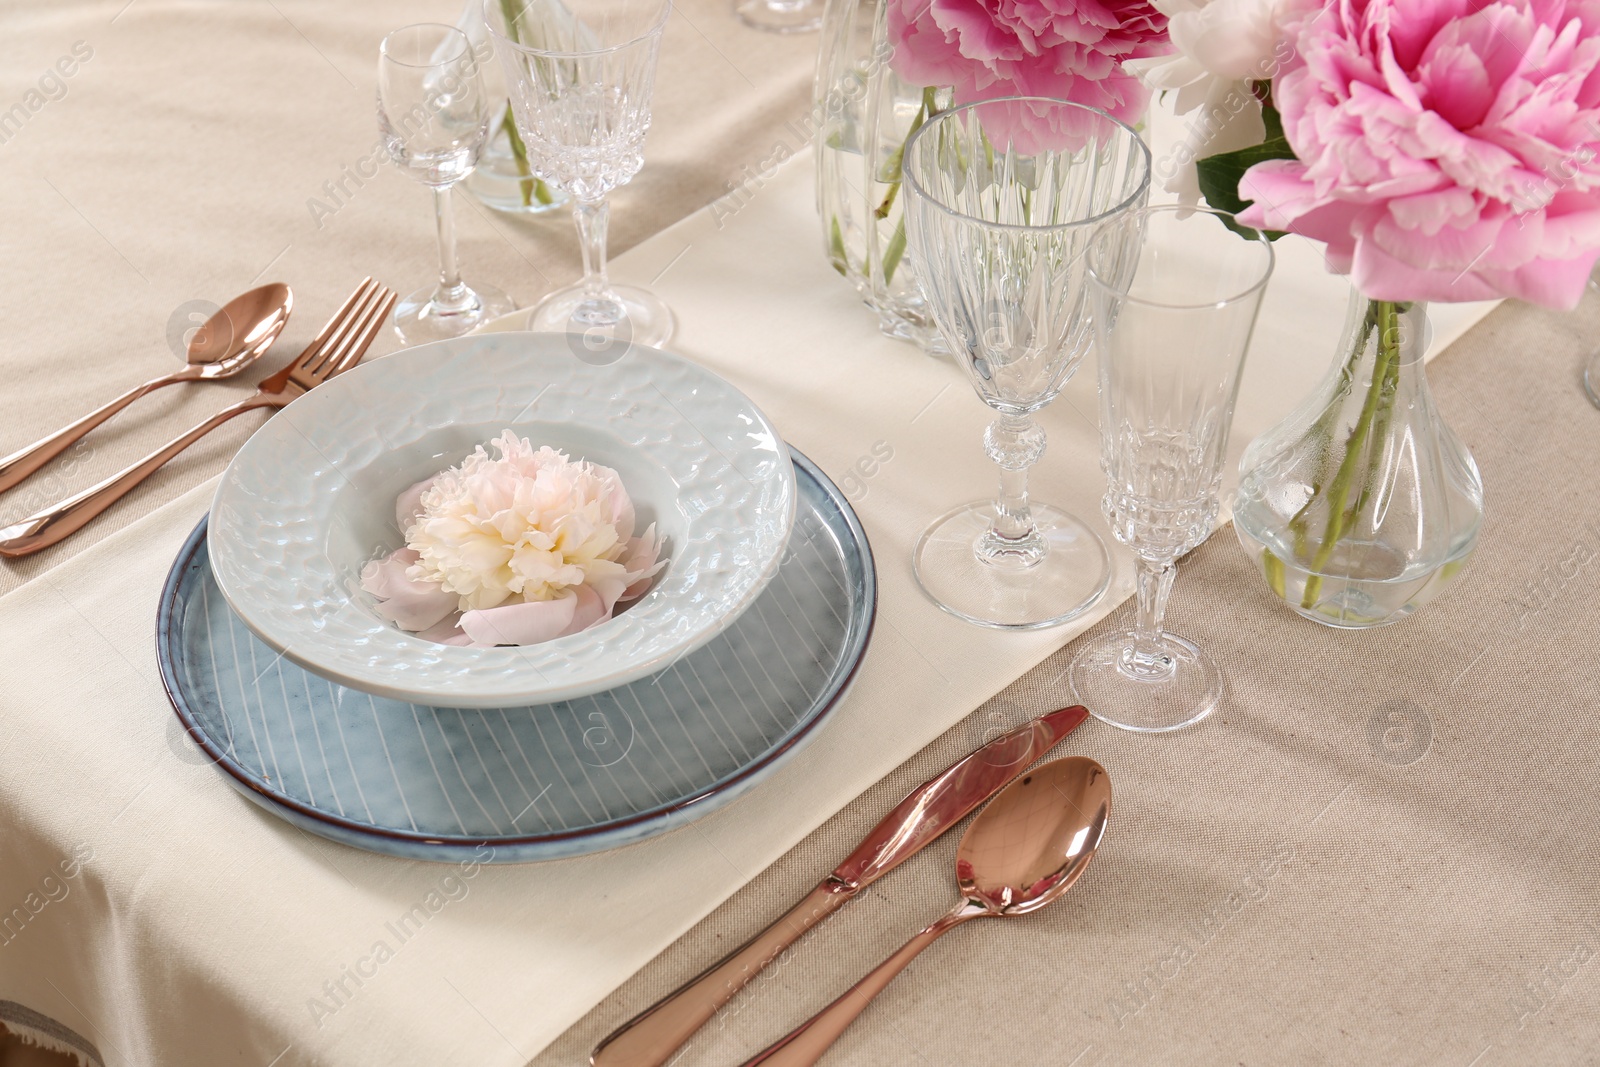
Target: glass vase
{"points": [[865, 113], [1362, 505], [505, 181]]}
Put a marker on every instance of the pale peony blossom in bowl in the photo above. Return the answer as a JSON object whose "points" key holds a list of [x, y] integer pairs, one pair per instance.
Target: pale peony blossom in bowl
{"points": [[1446, 149], [309, 502], [517, 549]]}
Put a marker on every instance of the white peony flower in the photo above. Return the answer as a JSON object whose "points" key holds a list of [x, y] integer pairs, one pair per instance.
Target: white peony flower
{"points": [[1220, 47], [528, 546]]}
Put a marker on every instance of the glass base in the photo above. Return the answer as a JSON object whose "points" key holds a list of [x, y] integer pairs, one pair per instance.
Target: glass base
{"points": [[629, 315], [780, 16], [1591, 379], [1363, 584], [1068, 581], [1178, 690], [417, 320]]}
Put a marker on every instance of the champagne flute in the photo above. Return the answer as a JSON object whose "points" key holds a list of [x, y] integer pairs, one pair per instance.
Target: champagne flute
{"points": [[434, 118], [1174, 307], [580, 74]]}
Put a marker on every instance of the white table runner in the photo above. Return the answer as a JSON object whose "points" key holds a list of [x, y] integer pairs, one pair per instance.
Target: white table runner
{"points": [[279, 947]]}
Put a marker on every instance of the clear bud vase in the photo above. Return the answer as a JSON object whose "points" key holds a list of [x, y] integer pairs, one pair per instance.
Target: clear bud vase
{"points": [[1362, 505], [865, 113]]}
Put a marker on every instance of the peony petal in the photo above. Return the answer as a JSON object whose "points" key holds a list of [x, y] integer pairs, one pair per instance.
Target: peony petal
{"points": [[1551, 283], [408, 603], [527, 623], [589, 611], [1383, 277], [408, 507], [446, 631]]}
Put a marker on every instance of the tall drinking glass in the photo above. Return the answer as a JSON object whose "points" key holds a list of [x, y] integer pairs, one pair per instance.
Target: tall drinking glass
{"points": [[1003, 197], [580, 74], [434, 118], [1173, 313]]}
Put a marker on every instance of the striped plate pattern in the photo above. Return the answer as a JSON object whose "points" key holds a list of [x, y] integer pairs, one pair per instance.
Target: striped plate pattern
{"points": [[528, 783]]}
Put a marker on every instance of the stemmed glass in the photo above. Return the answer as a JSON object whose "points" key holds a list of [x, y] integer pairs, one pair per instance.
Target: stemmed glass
{"points": [[1173, 312], [434, 118], [580, 74], [1003, 197], [780, 16]]}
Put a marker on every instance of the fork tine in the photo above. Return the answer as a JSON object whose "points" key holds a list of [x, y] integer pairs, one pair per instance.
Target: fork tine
{"points": [[351, 333], [339, 326], [320, 341], [363, 340]]}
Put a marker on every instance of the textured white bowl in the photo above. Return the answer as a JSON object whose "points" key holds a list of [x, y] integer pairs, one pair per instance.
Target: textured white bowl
{"points": [[310, 499]]}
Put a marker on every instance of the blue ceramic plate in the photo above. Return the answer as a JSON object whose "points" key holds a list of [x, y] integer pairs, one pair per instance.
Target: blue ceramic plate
{"points": [[539, 782]]}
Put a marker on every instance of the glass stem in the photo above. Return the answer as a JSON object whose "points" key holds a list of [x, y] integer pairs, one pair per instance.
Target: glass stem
{"points": [[592, 219], [1012, 516], [1015, 443], [1146, 657], [451, 295]]}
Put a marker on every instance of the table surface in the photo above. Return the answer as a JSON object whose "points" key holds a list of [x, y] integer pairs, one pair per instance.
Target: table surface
{"points": [[1291, 883]]}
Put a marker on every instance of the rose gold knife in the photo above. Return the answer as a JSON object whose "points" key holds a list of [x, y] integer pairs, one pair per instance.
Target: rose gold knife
{"points": [[651, 1038]]}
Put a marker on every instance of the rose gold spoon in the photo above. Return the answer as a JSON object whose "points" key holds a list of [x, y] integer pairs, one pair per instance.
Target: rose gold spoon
{"points": [[1022, 852], [228, 342]]}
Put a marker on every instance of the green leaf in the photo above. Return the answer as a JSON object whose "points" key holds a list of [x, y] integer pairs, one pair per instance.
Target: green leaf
{"points": [[1220, 174], [836, 253]]}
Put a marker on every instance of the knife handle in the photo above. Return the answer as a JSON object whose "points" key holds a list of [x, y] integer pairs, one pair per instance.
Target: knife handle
{"points": [[651, 1038], [45, 528]]}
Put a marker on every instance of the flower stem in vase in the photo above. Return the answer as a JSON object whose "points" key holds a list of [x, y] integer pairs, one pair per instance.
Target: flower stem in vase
{"points": [[1382, 321], [532, 188], [895, 250]]}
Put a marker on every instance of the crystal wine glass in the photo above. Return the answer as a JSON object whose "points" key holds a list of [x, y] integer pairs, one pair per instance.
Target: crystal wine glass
{"points": [[1003, 197], [1173, 312], [780, 16], [580, 74], [434, 118]]}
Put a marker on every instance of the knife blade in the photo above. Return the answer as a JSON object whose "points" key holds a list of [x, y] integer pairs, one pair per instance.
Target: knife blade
{"points": [[651, 1038]]}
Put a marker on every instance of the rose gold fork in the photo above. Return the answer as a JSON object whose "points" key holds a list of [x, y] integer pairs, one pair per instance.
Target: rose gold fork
{"points": [[338, 347]]}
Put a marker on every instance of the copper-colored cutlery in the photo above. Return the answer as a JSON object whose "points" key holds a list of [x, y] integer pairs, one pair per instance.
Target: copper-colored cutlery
{"points": [[228, 342], [1024, 851], [338, 347], [653, 1037]]}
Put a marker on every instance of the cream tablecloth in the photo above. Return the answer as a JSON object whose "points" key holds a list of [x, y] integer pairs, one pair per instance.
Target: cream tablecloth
{"points": [[1263, 843]]}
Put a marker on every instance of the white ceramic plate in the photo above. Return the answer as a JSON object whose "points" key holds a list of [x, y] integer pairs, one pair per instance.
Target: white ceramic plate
{"points": [[310, 499]]}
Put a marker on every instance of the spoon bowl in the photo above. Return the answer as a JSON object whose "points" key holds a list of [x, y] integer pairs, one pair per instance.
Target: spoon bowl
{"points": [[1023, 851], [1035, 838], [238, 333]]}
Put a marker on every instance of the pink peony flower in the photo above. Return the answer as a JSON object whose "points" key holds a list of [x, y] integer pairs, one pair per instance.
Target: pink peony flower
{"points": [[1057, 48], [1447, 148], [513, 550]]}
